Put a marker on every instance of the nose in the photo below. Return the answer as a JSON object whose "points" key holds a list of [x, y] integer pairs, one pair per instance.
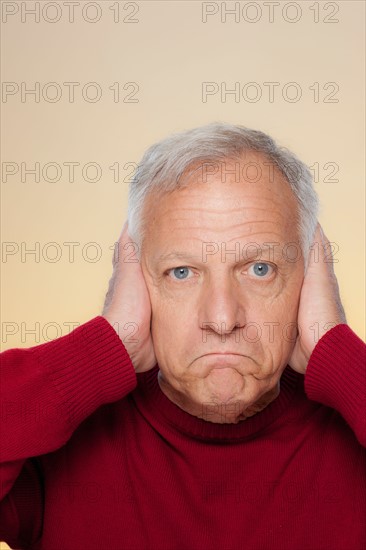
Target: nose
{"points": [[221, 309]]}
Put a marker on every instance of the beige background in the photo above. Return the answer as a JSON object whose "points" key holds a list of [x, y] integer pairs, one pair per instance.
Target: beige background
{"points": [[168, 52]]}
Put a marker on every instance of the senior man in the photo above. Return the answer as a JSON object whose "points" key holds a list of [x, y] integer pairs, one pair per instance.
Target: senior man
{"points": [[219, 400]]}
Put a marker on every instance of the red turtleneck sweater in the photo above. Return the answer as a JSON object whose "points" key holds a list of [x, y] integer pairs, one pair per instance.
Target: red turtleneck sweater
{"points": [[96, 457]]}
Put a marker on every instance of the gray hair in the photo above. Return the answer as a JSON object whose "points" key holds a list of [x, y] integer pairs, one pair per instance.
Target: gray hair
{"points": [[164, 163]]}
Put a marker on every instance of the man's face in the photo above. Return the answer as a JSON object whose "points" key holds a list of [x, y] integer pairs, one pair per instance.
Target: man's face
{"points": [[224, 303]]}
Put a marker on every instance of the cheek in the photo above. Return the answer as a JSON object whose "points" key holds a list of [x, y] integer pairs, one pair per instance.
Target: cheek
{"points": [[282, 309], [270, 303], [273, 321], [281, 327], [173, 321]]}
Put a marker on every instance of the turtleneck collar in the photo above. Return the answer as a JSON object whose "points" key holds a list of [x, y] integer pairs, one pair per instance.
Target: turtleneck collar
{"points": [[162, 413]]}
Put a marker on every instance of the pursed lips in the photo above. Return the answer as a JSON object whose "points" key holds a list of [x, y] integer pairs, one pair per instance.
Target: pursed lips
{"points": [[222, 359], [223, 353]]}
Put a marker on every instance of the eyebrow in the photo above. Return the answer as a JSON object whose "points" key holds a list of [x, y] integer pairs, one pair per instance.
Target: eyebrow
{"points": [[175, 255], [251, 252]]}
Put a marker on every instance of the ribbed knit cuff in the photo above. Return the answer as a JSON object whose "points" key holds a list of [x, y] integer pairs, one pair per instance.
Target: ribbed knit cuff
{"points": [[336, 376], [89, 367]]}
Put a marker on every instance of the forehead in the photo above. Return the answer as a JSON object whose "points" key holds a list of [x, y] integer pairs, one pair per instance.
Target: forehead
{"points": [[229, 198]]}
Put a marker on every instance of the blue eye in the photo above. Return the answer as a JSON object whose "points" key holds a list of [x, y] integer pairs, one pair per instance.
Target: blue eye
{"points": [[181, 272], [261, 269]]}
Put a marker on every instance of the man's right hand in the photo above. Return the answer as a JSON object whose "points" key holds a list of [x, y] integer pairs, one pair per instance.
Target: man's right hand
{"points": [[127, 306]]}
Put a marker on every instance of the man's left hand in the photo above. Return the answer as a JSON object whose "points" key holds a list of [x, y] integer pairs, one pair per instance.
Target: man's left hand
{"points": [[320, 307]]}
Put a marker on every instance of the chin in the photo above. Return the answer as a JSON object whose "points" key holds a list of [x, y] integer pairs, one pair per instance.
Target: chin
{"points": [[219, 408], [225, 386], [230, 404]]}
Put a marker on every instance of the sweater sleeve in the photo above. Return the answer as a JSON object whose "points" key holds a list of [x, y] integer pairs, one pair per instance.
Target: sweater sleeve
{"points": [[46, 391], [336, 376]]}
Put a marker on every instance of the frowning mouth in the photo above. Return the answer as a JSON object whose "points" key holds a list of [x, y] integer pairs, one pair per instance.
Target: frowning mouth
{"points": [[221, 358], [223, 353]]}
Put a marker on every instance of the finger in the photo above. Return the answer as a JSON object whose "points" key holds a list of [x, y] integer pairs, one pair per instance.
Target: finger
{"points": [[321, 251], [121, 238], [316, 245], [124, 236], [327, 252], [126, 250], [325, 239], [329, 263]]}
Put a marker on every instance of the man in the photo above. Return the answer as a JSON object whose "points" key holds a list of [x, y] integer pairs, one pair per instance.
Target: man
{"points": [[219, 401]]}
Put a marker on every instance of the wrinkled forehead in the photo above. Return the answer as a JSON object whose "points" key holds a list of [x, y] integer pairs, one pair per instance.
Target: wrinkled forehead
{"points": [[250, 166], [258, 175], [246, 199]]}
